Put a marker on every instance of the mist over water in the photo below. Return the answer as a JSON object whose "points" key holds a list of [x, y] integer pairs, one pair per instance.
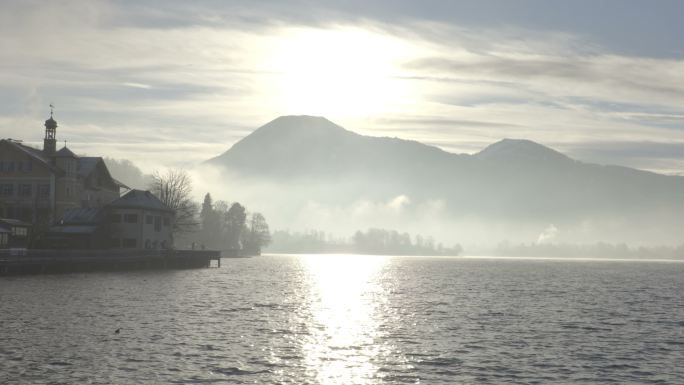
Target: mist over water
{"points": [[343, 319], [308, 173]]}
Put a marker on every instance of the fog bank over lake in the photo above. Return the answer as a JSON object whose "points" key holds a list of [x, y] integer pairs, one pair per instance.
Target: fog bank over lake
{"points": [[308, 173]]}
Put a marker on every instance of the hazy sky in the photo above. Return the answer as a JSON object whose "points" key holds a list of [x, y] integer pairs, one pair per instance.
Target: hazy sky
{"points": [[599, 80]]}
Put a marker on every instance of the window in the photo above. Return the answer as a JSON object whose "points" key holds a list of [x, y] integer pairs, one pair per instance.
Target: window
{"points": [[115, 243], [19, 231], [131, 218], [7, 189], [166, 221], [68, 191], [25, 190], [10, 166], [157, 223], [43, 190], [115, 218], [148, 219], [129, 243]]}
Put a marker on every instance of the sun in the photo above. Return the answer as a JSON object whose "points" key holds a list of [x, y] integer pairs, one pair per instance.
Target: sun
{"points": [[347, 72]]}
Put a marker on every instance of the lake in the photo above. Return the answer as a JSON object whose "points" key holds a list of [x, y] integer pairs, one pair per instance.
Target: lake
{"points": [[349, 319]]}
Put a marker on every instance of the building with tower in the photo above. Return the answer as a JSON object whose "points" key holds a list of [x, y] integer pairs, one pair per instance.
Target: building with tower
{"points": [[39, 185]]}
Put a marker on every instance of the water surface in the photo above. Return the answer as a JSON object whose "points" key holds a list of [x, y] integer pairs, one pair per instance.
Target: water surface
{"points": [[349, 320]]}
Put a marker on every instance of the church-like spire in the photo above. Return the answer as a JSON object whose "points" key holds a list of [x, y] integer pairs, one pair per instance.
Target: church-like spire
{"points": [[50, 140]]}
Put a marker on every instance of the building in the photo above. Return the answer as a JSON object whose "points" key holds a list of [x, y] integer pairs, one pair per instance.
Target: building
{"points": [[39, 185], [82, 228], [13, 233], [137, 220]]}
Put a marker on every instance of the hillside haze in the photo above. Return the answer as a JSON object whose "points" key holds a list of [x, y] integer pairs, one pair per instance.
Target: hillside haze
{"points": [[320, 175]]}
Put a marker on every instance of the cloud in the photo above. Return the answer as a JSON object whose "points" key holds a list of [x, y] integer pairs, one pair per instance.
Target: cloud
{"points": [[548, 235], [201, 74]]}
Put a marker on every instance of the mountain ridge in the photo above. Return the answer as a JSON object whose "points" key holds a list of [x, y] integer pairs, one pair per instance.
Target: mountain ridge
{"points": [[287, 131], [311, 159]]}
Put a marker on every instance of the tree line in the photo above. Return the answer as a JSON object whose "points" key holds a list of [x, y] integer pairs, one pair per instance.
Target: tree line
{"points": [[372, 241], [213, 225], [593, 250]]}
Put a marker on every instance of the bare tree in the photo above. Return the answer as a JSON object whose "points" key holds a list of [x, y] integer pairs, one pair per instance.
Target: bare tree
{"points": [[174, 188]]}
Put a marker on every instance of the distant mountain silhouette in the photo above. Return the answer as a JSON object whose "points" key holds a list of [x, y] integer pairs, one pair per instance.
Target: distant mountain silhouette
{"points": [[511, 179], [308, 146], [521, 150]]}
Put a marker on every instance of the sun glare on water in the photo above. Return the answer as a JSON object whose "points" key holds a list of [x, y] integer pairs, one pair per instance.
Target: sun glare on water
{"points": [[345, 294], [338, 72]]}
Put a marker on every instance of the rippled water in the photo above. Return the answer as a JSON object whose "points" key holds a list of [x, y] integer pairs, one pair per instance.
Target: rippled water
{"points": [[349, 320]]}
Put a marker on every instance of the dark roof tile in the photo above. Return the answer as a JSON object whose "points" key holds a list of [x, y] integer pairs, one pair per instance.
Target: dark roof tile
{"points": [[139, 199]]}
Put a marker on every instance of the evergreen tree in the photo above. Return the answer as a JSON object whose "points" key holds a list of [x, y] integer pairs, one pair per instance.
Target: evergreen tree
{"points": [[209, 219], [234, 222]]}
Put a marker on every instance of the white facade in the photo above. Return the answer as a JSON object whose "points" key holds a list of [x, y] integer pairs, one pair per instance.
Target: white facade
{"points": [[133, 228]]}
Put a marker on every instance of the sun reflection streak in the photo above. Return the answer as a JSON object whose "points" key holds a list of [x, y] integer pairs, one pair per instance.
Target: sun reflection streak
{"points": [[345, 295]]}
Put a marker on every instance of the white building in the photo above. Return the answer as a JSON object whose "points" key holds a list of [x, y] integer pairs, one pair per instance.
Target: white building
{"points": [[139, 220]]}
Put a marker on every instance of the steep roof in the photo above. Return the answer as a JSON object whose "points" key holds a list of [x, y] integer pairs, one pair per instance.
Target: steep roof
{"points": [[81, 216], [32, 152], [64, 152], [88, 164], [120, 184], [139, 199], [14, 222]]}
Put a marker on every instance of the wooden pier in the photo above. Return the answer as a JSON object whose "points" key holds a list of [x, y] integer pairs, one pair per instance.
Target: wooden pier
{"points": [[18, 262]]}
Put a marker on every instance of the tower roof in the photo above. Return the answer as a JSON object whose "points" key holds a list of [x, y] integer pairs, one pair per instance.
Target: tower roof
{"points": [[51, 123]]}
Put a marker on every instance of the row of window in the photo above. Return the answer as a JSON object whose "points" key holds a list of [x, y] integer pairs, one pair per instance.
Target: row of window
{"points": [[16, 166], [24, 190], [155, 244], [19, 231], [157, 221]]}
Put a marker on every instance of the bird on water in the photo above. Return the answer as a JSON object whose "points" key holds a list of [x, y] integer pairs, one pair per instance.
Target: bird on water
{"points": [[117, 331]]}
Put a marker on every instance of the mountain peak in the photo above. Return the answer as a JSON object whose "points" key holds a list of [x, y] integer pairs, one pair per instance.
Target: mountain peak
{"points": [[520, 150], [291, 136], [300, 123]]}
